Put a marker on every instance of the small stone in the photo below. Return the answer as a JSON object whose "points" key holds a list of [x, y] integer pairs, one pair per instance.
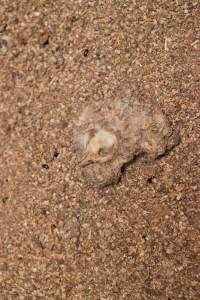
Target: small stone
{"points": [[44, 38], [45, 166], [171, 249], [3, 27], [86, 52], [132, 250], [178, 197], [56, 154], [195, 187]]}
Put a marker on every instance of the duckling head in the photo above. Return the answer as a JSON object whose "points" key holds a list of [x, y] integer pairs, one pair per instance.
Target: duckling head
{"points": [[100, 148]]}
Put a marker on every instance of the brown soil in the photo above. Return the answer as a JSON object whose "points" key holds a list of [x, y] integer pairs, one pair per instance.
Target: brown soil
{"points": [[59, 238]]}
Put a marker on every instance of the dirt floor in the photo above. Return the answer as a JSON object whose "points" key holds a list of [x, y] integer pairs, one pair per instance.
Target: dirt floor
{"points": [[59, 238]]}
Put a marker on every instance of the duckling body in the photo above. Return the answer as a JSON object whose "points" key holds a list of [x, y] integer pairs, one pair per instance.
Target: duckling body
{"points": [[111, 135]]}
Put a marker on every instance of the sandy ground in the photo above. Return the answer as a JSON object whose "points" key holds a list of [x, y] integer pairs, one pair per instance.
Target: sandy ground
{"points": [[60, 239]]}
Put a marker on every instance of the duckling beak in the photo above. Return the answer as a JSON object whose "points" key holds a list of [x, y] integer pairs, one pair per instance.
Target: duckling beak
{"points": [[86, 160]]}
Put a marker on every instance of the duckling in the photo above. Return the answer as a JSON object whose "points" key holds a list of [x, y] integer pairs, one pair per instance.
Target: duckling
{"points": [[107, 136]]}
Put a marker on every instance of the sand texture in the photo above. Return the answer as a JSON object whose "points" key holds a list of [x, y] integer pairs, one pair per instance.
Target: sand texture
{"points": [[59, 237]]}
